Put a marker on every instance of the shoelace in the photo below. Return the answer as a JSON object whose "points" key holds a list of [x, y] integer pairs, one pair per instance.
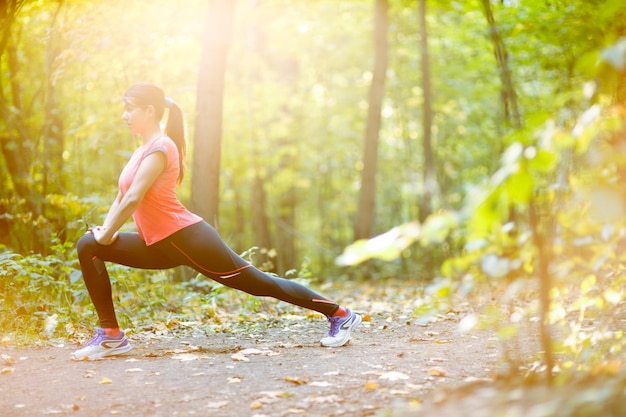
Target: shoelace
{"points": [[100, 335], [335, 322]]}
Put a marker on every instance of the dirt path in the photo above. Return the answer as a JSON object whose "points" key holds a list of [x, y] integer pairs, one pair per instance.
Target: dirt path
{"points": [[278, 370]]}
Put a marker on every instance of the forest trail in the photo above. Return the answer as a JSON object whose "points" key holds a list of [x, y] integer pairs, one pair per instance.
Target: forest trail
{"points": [[392, 366]]}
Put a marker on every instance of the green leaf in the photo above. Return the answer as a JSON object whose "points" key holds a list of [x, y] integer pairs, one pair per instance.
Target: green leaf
{"points": [[519, 187], [387, 246]]}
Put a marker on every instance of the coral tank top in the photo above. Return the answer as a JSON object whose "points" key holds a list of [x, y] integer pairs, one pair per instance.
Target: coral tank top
{"points": [[160, 213]]}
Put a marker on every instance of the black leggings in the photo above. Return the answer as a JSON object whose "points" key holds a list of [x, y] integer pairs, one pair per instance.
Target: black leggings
{"points": [[198, 246]]}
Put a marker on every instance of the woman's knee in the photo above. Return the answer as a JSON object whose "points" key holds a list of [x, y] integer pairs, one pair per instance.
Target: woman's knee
{"points": [[87, 243]]}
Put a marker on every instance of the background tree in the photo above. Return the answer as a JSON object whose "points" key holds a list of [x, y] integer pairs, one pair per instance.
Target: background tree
{"points": [[427, 201], [367, 198], [208, 132], [508, 96], [294, 125]]}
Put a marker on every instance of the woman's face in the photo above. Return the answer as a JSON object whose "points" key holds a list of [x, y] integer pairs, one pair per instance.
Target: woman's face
{"points": [[137, 119]]}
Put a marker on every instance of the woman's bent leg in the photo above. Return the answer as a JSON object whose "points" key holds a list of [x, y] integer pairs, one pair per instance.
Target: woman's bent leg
{"points": [[127, 250]]}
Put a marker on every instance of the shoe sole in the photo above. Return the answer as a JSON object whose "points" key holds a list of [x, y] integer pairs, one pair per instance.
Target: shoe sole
{"points": [[358, 319], [112, 352]]}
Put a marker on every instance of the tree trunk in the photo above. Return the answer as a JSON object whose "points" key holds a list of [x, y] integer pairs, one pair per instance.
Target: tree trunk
{"points": [[260, 222], [287, 203], [8, 13], [209, 109], [367, 200], [17, 147], [53, 123], [508, 96], [428, 199]]}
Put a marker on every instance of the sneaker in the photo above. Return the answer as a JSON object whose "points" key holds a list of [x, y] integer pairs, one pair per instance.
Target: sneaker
{"points": [[340, 329], [103, 345]]}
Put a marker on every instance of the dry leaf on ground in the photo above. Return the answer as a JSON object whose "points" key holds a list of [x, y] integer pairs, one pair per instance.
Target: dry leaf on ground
{"points": [[436, 372], [7, 360], [394, 376], [295, 380]]}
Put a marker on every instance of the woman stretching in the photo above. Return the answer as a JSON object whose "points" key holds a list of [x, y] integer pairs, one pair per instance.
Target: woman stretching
{"points": [[169, 235]]}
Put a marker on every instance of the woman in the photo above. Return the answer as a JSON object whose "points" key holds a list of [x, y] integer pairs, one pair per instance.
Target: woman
{"points": [[169, 235]]}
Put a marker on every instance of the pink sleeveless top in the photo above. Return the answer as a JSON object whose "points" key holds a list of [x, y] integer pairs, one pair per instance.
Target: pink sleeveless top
{"points": [[159, 214]]}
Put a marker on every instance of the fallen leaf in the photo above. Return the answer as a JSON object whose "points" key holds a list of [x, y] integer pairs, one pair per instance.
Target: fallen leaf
{"points": [[371, 385], [297, 381], [234, 380], [320, 384], [7, 370], [419, 339], [239, 357], [185, 357], [268, 397], [436, 372], [398, 392], [250, 351], [394, 376], [7, 360], [105, 380], [256, 405]]}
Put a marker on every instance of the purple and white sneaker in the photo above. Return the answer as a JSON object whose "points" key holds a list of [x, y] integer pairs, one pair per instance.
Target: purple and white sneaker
{"points": [[103, 345], [340, 329]]}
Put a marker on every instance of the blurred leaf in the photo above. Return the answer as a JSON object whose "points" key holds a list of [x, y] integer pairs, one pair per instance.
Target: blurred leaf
{"points": [[387, 246]]}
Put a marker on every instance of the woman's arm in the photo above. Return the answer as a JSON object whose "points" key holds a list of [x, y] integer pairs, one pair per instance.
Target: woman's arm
{"points": [[123, 207]]}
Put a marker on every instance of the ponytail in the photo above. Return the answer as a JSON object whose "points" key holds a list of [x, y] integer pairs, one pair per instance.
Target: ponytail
{"points": [[175, 129]]}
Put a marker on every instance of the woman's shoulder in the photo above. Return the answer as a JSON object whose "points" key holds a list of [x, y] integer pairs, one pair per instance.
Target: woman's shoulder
{"points": [[163, 144], [163, 141]]}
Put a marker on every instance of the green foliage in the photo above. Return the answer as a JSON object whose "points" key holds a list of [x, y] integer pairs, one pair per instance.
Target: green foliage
{"points": [[295, 104], [43, 298], [40, 293], [557, 194]]}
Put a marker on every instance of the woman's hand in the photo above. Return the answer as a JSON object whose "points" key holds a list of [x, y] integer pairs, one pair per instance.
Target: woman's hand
{"points": [[103, 236]]}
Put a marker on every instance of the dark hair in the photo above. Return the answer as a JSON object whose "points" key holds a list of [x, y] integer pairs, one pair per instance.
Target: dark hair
{"points": [[148, 94]]}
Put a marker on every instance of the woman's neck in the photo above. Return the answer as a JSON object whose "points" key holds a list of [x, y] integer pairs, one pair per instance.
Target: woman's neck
{"points": [[151, 134]]}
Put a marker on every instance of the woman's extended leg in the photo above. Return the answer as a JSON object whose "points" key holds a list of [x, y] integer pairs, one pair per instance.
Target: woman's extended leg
{"points": [[200, 247]]}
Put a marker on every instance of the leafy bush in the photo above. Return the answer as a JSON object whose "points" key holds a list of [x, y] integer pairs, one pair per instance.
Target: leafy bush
{"points": [[39, 293], [44, 297]]}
